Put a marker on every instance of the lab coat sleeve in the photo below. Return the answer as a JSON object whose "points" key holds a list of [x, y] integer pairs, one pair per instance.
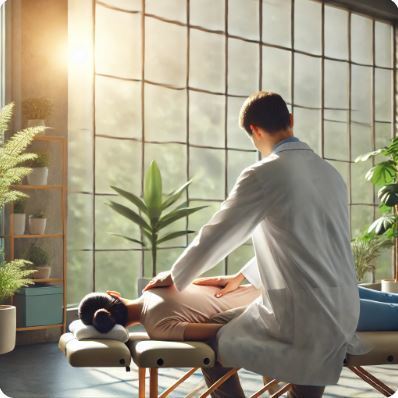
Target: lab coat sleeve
{"points": [[228, 228], [251, 273]]}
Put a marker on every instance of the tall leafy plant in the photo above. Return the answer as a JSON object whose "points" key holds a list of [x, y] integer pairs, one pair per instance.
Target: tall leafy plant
{"points": [[384, 175], [13, 274], [154, 212]]}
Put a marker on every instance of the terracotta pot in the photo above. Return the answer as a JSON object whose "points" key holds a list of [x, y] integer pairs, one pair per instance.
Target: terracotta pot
{"points": [[8, 324], [42, 272], [37, 226], [19, 223], [38, 176]]}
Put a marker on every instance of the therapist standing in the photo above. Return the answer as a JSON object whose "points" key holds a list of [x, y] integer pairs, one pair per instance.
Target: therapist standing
{"points": [[293, 204]]}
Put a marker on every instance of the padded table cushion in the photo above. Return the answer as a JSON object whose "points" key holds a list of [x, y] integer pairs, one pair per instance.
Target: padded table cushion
{"points": [[384, 349], [94, 353]]}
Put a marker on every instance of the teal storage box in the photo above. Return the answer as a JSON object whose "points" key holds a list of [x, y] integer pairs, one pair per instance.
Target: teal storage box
{"points": [[39, 305]]}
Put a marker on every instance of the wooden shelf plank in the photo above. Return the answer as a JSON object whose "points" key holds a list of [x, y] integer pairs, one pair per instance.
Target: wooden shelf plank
{"points": [[43, 187], [45, 137], [27, 236], [41, 327], [48, 280]]}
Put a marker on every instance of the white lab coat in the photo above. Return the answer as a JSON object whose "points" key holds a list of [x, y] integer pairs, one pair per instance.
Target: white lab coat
{"points": [[294, 206]]}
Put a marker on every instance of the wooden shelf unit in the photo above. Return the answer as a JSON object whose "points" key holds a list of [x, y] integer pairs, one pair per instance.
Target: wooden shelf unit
{"points": [[62, 141]]}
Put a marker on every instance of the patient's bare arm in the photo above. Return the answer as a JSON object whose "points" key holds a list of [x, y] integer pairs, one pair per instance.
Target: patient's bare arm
{"points": [[201, 331]]}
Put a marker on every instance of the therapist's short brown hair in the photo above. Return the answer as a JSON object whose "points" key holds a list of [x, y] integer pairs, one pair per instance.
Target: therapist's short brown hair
{"points": [[264, 109]]}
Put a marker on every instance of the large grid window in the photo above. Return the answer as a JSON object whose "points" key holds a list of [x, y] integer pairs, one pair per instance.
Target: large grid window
{"points": [[165, 80]]}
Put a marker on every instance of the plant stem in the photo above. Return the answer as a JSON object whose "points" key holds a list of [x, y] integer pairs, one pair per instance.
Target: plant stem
{"points": [[154, 253]]}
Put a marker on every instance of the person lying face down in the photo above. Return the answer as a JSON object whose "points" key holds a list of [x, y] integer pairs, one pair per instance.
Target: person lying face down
{"points": [[167, 314]]}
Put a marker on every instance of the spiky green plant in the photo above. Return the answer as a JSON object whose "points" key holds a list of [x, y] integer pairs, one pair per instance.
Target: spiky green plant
{"points": [[12, 274], [151, 217], [366, 249]]}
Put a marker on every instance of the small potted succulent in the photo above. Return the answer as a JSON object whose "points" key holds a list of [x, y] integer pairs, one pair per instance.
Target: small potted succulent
{"points": [[19, 217], [39, 259], [36, 110], [39, 174], [37, 223]]}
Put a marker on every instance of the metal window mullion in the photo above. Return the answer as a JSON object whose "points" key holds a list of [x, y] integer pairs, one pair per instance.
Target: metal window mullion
{"points": [[349, 188], [226, 115], [292, 53], [373, 115], [395, 247], [323, 82], [188, 171]]}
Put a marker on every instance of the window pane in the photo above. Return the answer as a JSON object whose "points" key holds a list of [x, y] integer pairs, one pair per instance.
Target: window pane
{"points": [[118, 107], [384, 264], [201, 217], [165, 260], [108, 222], [307, 25], [170, 9], [208, 13], [237, 161], [383, 134], [165, 114], [128, 5], [336, 95], [243, 18], [207, 168], [336, 40], [307, 80], [172, 162], [237, 137], [361, 94], [361, 39], [361, 218], [362, 190], [118, 162], [80, 221], [383, 95], [165, 52], [239, 257], [276, 22], [206, 119], [361, 139], [243, 64], [207, 61], [336, 138], [114, 55], [118, 270], [277, 71], [383, 44], [307, 127], [80, 275]]}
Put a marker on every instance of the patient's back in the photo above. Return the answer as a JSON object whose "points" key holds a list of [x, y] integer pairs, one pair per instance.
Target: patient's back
{"points": [[166, 311]]}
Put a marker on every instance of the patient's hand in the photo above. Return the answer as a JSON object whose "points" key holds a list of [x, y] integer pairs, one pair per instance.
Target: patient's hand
{"points": [[227, 283]]}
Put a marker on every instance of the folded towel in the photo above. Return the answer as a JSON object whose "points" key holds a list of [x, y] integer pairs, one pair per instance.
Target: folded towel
{"points": [[82, 331]]}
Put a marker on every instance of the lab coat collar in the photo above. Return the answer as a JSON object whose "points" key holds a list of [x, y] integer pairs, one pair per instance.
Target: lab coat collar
{"points": [[291, 145]]}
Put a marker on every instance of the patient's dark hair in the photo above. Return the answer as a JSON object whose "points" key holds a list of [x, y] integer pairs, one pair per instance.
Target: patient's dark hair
{"points": [[102, 311], [264, 109]]}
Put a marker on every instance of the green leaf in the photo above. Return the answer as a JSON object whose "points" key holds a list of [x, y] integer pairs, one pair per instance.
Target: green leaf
{"points": [[153, 190], [177, 214], [173, 235], [132, 198], [366, 156], [130, 214], [388, 194], [382, 173], [128, 238], [382, 224], [175, 195]]}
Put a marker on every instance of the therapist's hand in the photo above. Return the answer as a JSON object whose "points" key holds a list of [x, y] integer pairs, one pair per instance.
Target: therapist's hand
{"points": [[227, 283], [162, 279]]}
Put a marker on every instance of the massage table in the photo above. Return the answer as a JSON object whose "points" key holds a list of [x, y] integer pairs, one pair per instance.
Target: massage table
{"points": [[154, 354]]}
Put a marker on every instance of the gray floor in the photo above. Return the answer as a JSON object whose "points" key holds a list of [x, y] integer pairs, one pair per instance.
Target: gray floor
{"points": [[42, 371]]}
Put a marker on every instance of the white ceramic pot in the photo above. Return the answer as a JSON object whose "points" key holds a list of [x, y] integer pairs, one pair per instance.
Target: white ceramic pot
{"points": [[37, 226], [35, 122], [19, 223], [8, 325], [42, 272], [38, 176], [389, 286]]}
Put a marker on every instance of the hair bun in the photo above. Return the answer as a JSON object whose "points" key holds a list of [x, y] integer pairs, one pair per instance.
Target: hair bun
{"points": [[103, 320]]}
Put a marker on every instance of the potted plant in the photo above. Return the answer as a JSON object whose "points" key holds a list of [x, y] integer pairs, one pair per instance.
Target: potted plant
{"points": [[36, 110], [384, 175], [37, 223], [366, 248], [19, 217], [39, 166], [153, 213], [38, 257], [12, 274]]}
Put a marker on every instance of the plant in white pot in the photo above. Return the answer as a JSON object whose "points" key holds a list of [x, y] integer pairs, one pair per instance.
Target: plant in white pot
{"points": [[36, 110], [39, 166], [37, 223], [153, 213], [12, 274], [19, 217], [39, 259]]}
